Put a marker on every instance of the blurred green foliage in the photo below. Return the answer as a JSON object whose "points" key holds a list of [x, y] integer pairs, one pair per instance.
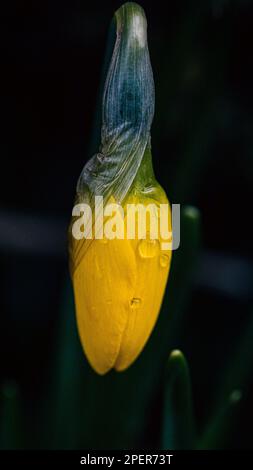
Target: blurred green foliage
{"points": [[84, 410]]}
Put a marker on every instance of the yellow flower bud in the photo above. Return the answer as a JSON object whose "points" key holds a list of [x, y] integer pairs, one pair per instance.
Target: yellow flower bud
{"points": [[119, 283]]}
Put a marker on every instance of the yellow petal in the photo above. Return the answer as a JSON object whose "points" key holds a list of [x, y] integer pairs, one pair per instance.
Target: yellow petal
{"points": [[103, 284], [152, 272], [118, 287]]}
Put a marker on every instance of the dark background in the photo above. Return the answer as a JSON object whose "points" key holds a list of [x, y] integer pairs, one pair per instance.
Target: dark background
{"points": [[202, 137]]}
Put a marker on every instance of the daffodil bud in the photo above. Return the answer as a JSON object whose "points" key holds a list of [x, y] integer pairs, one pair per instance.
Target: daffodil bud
{"points": [[119, 260]]}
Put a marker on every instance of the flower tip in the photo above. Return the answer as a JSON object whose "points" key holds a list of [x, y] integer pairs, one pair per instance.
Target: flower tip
{"points": [[131, 18], [176, 354]]}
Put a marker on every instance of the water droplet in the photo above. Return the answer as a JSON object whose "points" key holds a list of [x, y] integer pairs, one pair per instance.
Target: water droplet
{"points": [[135, 302], [148, 189], [148, 248], [164, 261]]}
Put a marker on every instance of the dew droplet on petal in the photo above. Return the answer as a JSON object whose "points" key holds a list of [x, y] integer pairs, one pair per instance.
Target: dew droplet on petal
{"points": [[148, 248], [135, 302], [164, 261]]}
